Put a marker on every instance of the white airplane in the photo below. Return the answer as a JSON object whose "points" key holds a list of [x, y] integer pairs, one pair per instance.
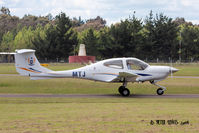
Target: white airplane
{"points": [[122, 70]]}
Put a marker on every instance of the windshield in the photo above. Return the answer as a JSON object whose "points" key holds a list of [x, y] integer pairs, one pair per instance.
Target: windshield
{"points": [[135, 64]]}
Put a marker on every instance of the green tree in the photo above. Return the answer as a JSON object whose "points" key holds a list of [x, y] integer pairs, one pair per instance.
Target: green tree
{"points": [[166, 37], [7, 42], [55, 41], [24, 38], [105, 44], [161, 37], [127, 37], [7, 23], [148, 34], [190, 42], [40, 42], [137, 39], [66, 36], [90, 39]]}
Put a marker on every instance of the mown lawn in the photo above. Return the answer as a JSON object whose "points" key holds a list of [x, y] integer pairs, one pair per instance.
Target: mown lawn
{"points": [[49, 115], [19, 84]]}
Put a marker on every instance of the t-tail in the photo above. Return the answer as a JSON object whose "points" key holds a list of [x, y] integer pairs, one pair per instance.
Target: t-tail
{"points": [[27, 64]]}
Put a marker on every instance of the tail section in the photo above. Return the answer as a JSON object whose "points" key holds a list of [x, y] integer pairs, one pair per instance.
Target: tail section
{"points": [[27, 64]]}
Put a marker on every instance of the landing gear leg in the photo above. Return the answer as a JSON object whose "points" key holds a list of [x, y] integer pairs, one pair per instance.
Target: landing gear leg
{"points": [[160, 91], [123, 90]]}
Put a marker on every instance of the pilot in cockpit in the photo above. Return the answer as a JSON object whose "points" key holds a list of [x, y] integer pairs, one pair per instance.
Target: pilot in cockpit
{"points": [[129, 65]]}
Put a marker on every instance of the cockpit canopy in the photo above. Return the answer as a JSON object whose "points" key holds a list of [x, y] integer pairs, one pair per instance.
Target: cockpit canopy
{"points": [[130, 63], [114, 64]]}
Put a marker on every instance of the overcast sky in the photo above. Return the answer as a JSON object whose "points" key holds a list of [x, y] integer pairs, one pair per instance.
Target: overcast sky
{"points": [[111, 10]]}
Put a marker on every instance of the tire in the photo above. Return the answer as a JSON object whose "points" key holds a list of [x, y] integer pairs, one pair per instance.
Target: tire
{"points": [[160, 91], [125, 92], [120, 89]]}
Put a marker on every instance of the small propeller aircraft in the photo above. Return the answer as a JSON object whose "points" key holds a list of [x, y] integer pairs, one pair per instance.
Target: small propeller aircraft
{"points": [[122, 70]]}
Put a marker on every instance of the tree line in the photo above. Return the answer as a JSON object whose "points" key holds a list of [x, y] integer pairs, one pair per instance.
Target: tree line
{"points": [[154, 37]]}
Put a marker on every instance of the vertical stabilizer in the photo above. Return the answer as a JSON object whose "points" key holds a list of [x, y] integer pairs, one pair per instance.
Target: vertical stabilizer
{"points": [[27, 64]]}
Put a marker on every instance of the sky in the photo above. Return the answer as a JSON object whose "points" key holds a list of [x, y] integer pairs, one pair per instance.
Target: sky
{"points": [[111, 10]]}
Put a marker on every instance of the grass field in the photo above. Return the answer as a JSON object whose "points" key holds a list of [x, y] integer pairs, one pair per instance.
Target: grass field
{"points": [[115, 115], [18, 84], [112, 115]]}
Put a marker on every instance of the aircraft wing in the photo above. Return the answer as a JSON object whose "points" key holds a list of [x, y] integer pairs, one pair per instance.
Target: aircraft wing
{"points": [[129, 77]]}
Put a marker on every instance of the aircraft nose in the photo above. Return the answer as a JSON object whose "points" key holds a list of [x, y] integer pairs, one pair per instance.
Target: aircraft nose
{"points": [[173, 70]]}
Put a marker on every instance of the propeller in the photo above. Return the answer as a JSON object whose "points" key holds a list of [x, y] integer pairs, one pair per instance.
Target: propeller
{"points": [[172, 69], [171, 66]]}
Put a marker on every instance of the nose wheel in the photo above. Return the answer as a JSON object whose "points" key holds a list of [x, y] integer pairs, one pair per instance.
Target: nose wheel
{"points": [[124, 91], [160, 91]]}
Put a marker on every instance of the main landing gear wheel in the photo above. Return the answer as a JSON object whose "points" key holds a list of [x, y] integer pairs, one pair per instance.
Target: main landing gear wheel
{"points": [[160, 91], [120, 89], [124, 91]]}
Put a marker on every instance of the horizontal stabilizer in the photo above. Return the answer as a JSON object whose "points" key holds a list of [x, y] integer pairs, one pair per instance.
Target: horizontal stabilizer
{"points": [[7, 53]]}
